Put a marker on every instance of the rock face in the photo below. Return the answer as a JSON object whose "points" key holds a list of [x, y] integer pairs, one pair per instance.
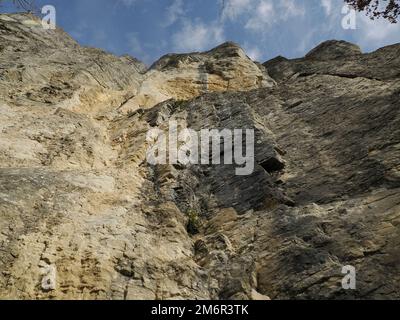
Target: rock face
{"points": [[330, 50], [84, 216], [344, 61], [47, 67], [185, 76]]}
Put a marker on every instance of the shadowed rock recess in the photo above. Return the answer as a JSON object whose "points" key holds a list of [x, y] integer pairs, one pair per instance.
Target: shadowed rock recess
{"points": [[83, 216]]}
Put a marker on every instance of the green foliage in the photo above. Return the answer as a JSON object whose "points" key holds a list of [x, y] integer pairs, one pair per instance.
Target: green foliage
{"points": [[194, 223]]}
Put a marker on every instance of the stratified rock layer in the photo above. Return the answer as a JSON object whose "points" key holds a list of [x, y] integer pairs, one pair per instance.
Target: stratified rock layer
{"points": [[185, 76], [84, 216]]}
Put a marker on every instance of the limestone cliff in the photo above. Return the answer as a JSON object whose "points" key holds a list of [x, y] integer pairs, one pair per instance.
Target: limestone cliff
{"points": [[84, 216], [185, 76]]}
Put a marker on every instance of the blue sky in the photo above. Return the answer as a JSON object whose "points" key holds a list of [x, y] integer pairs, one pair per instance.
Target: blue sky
{"points": [[148, 29]]}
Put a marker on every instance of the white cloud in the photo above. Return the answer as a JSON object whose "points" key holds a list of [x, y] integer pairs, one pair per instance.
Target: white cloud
{"points": [[197, 36], [253, 52], [327, 5], [234, 8], [262, 17], [290, 9], [174, 12], [265, 13], [376, 33]]}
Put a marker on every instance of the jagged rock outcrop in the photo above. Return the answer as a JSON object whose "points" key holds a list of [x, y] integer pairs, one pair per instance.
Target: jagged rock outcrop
{"points": [[339, 58], [47, 67], [330, 50], [84, 216], [185, 76]]}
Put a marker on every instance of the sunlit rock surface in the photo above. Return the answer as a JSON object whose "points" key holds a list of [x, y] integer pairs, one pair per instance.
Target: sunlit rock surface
{"points": [[84, 216]]}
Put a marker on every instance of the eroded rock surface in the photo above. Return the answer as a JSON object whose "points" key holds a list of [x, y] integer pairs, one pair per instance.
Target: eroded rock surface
{"points": [[185, 76], [84, 216]]}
